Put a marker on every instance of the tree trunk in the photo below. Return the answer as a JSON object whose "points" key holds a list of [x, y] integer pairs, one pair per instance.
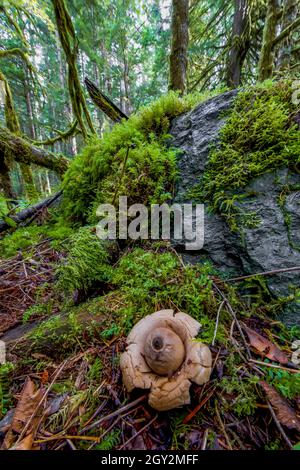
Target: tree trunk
{"points": [[70, 46], [28, 100], [285, 52], [179, 45], [266, 60], [30, 189], [239, 43], [23, 152], [5, 181]]}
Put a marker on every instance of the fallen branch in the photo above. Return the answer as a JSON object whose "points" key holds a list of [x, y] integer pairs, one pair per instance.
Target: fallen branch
{"points": [[29, 212], [139, 432], [104, 103], [114, 413], [265, 273]]}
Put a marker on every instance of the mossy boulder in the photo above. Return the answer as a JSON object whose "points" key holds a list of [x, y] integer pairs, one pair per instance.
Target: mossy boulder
{"points": [[250, 185]]}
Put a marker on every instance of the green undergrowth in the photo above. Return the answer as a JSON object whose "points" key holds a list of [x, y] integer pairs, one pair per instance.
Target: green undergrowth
{"points": [[260, 136], [5, 383], [143, 281], [25, 237], [132, 160], [86, 262]]}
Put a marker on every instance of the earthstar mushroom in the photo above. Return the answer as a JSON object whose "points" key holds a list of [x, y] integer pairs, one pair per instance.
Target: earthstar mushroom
{"points": [[162, 356]]}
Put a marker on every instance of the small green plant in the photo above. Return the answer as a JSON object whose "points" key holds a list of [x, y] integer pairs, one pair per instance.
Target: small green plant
{"points": [[110, 441], [113, 330], [5, 382], [286, 383], [95, 370], [37, 310]]}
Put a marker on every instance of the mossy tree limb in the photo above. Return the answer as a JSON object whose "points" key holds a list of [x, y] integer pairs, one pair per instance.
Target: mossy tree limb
{"points": [[70, 46], [24, 152], [104, 103], [62, 135], [13, 125]]}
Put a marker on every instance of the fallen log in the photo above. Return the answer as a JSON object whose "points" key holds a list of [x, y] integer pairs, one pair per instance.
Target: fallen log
{"points": [[104, 103], [24, 152], [30, 212]]}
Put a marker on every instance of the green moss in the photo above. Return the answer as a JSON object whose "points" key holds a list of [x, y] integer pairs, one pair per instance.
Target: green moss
{"points": [[86, 262], [133, 160], [259, 136], [25, 237]]}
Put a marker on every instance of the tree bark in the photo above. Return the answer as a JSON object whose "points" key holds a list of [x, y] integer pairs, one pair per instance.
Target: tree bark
{"points": [[239, 43], [23, 152], [266, 60], [70, 46], [179, 45], [289, 15]]}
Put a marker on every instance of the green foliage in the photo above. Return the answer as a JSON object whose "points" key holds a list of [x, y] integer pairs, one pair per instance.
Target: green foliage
{"points": [[25, 237], [239, 395], [85, 264], [179, 431], [113, 330], [5, 382], [110, 441], [286, 383], [259, 136], [19, 240], [95, 371], [37, 310], [242, 394]]}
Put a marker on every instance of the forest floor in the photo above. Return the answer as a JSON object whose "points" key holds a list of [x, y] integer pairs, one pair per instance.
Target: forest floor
{"points": [[75, 399]]}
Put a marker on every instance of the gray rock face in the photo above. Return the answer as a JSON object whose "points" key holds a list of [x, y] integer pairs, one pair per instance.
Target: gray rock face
{"points": [[271, 245]]}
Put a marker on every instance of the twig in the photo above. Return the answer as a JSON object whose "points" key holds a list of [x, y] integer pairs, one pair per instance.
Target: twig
{"points": [[204, 441], [71, 444], [223, 427], [265, 273], [217, 322], [231, 311], [41, 402], [275, 366], [280, 429], [105, 432], [139, 432], [114, 413]]}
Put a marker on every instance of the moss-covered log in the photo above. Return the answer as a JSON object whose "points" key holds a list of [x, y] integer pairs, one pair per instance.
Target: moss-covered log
{"points": [[23, 152], [69, 44]]}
